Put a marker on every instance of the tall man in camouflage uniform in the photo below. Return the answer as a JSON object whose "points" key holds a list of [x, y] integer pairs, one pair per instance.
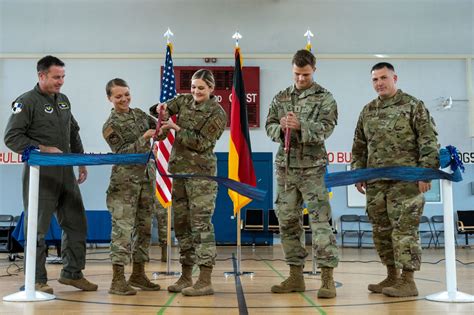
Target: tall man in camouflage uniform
{"points": [[395, 129], [309, 112], [42, 117]]}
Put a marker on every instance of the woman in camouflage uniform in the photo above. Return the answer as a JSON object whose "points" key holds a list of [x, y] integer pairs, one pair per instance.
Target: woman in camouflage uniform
{"points": [[130, 193], [200, 123]]}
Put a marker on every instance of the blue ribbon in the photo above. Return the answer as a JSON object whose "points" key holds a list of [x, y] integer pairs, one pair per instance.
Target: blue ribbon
{"points": [[33, 157], [451, 154], [25, 156], [402, 173], [448, 157]]}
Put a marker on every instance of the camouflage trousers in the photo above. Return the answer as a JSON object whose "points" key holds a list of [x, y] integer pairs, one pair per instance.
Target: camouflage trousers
{"points": [[130, 205], [161, 215], [395, 209], [305, 185], [193, 206]]}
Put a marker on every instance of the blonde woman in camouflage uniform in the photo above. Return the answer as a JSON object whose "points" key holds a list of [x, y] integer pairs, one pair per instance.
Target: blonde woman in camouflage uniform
{"points": [[200, 123], [131, 191], [395, 129], [310, 112]]}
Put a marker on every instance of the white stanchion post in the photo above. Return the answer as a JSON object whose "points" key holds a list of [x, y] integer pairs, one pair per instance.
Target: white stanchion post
{"points": [[451, 295], [30, 295]]}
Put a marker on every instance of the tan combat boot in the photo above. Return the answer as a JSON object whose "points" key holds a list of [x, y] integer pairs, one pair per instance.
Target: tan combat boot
{"points": [[139, 279], [203, 286], [294, 283], [392, 276], [82, 283], [404, 287], [328, 288], [119, 286], [42, 287], [184, 281], [164, 253]]}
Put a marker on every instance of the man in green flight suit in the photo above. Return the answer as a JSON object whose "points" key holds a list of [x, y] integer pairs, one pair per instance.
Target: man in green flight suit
{"points": [[42, 117]]}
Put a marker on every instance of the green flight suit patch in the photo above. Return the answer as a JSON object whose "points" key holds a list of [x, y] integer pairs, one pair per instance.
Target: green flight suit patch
{"points": [[48, 108], [63, 105]]}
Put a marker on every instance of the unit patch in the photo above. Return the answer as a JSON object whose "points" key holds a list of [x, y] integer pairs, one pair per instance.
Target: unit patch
{"points": [[63, 105], [48, 108], [111, 136], [17, 107]]}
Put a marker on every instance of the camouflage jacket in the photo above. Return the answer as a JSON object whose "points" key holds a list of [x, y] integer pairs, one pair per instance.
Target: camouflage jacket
{"points": [[395, 132], [123, 133], [201, 126], [316, 110]]}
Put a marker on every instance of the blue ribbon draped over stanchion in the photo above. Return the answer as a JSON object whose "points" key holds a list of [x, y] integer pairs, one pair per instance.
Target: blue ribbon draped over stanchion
{"points": [[449, 157], [33, 157]]}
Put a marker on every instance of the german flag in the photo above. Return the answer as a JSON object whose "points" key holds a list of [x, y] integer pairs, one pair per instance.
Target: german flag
{"points": [[240, 152]]}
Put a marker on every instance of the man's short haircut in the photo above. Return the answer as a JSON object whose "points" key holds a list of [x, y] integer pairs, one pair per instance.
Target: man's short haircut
{"points": [[382, 65], [46, 62], [303, 58]]}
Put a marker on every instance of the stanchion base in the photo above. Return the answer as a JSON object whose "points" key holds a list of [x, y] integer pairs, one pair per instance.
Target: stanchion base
{"points": [[243, 273], [22, 297], [452, 297], [165, 273], [312, 273]]}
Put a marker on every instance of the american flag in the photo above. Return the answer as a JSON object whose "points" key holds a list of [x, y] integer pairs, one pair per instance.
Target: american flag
{"points": [[163, 148]]}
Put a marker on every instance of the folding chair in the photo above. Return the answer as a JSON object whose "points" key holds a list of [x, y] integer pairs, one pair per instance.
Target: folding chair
{"points": [[365, 227], [424, 221], [273, 225], [466, 223], [350, 223]]}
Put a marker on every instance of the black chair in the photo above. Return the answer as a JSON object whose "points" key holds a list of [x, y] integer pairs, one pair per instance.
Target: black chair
{"points": [[425, 222], [306, 225], [273, 225], [438, 227], [466, 223], [253, 220], [350, 223], [365, 227], [6, 224], [437, 221]]}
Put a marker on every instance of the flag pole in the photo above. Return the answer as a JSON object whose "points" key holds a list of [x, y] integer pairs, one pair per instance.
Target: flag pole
{"points": [[237, 36], [237, 205], [168, 271], [168, 241], [239, 244], [313, 271]]}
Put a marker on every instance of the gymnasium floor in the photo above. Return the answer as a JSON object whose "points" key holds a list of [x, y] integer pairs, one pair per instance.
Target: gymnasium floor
{"points": [[244, 294]]}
